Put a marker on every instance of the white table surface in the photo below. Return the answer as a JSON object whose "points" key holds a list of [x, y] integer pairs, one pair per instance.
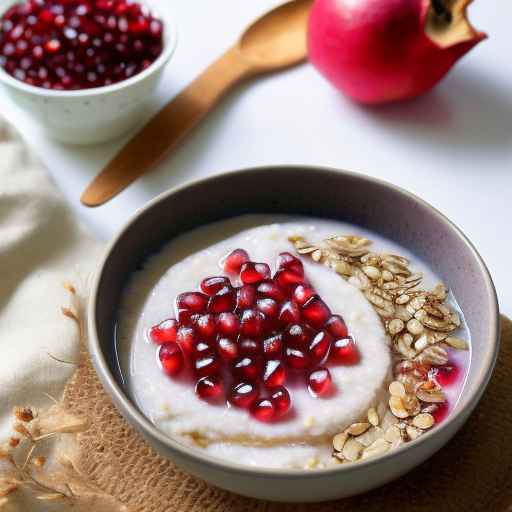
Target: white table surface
{"points": [[452, 147]]}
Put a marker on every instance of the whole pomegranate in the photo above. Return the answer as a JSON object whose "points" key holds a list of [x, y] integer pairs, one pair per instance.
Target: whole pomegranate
{"points": [[378, 51]]}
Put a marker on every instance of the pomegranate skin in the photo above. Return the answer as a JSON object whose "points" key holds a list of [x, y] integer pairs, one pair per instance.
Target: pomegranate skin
{"points": [[378, 51]]}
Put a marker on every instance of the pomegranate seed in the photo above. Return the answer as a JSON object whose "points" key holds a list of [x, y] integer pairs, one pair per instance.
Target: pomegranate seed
{"points": [[288, 278], [298, 335], [302, 294], [316, 312], [246, 297], [252, 273], [289, 313], [194, 301], [203, 349], [268, 307], [281, 400], [212, 285], [263, 410], [271, 289], [249, 347], [274, 374], [273, 346], [186, 317], [336, 327], [186, 340], [320, 346], [210, 388], [244, 395], [206, 326], [207, 366], [234, 261], [228, 324], [52, 46], [164, 332], [344, 351], [297, 358], [319, 381], [252, 323], [227, 349], [171, 358], [222, 301], [289, 262], [247, 368]]}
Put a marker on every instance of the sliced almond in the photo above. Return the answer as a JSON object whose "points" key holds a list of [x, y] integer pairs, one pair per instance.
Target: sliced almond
{"points": [[378, 447], [457, 343], [338, 441], [392, 434], [414, 327], [413, 432], [397, 407], [356, 429], [373, 416], [395, 326], [396, 388], [424, 421], [352, 450]]}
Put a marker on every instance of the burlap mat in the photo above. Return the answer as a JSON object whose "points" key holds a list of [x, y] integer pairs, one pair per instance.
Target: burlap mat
{"points": [[473, 472]]}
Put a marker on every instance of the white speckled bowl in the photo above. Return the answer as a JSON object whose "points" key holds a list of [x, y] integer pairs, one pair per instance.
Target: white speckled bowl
{"points": [[95, 115]]}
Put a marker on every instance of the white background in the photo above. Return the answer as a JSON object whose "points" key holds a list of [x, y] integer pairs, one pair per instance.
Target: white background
{"points": [[452, 147]]}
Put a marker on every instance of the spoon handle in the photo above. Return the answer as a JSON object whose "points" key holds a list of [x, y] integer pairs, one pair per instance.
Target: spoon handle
{"points": [[163, 133]]}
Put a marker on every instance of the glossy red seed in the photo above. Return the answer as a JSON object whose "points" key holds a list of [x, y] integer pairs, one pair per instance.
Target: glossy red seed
{"points": [[269, 307], [186, 317], [164, 332], [289, 313], [249, 347], [320, 346], [245, 297], [319, 381], [274, 373], [298, 335], [344, 351], [206, 326], [223, 300], [316, 312], [186, 339], [247, 368], [210, 388], [273, 346], [269, 288], [281, 400], [287, 278], [302, 293], [263, 410], [253, 273], [228, 324], [227, 349], [290, 262], [194, 301], [244, 394], [336, 327], [234, 261], [211, 285], [251, 323], [297, 358], [206, 366], [171, 358]]}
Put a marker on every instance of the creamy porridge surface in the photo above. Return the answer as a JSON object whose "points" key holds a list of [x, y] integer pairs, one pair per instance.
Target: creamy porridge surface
{"points": [[172, 405]]}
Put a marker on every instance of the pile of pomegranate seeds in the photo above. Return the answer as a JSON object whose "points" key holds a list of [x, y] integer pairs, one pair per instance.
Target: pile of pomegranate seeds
{"points": [[78, 44], [242, 343]]}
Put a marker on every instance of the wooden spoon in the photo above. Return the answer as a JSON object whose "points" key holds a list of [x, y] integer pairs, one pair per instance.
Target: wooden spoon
{"points": [[275, 41]]}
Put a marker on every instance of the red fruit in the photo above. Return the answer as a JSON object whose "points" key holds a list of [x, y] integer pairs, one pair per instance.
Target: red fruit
{"points": [[252, 273], [298, 335], [336, 327], [288, 278], [228, 324], [268, 307], [289, 262], [227, 349], [245, 297], [251, 323], [271, 289], [379, 51], [316, 312], [263, 410], [164, 332], [319, 381], [211, 285], [247, 368], [273, 346], [223, 300], [186, 317], [281, 401], [207, 366], [344, 351], [320, 346], [186, 340], [302, 293], [193, 301], [297, 358], [289, 313], [171, 358], [446, 375], [248, 347], [244, 395], [203, 349], [274, 374], [206, 326], [234, 261], [210, 388]]}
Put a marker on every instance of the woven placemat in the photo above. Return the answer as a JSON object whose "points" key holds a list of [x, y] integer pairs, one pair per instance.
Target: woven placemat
{"points": [[473, 472]]}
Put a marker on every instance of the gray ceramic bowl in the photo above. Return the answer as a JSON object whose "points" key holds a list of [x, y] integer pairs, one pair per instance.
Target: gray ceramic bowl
{"points": [[373, 204]]}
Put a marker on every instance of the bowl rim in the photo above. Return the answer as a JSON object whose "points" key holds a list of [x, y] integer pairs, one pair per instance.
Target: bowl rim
{"points": [[131, 411], [170, 43]]}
